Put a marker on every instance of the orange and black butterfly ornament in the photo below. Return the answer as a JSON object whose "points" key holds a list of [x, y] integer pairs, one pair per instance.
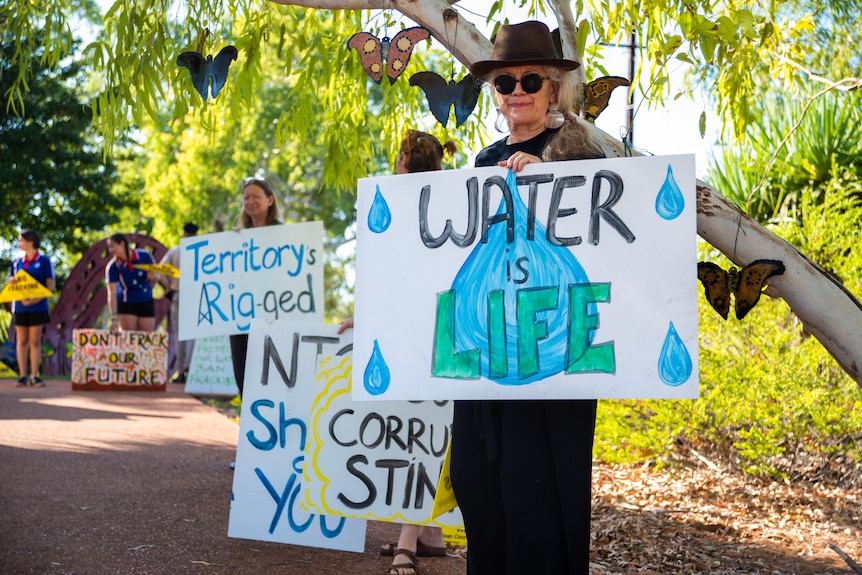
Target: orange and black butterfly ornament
{"points": [[597, 95], [203, 70], [746, 284], [393, 54]]}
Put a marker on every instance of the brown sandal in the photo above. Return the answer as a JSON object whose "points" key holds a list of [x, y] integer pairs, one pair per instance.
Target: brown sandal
{"points": [[422, 550], [408, 568]]}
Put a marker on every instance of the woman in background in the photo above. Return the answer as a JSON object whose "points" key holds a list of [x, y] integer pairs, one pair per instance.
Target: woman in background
{"points": [[130, 289], [259, 209], [419, 152], [32, 313]]}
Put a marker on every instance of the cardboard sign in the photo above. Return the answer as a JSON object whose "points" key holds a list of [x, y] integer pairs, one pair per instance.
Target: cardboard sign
{"points": [[25, 286], [230, 278], [130, 360], [211, 369], [374, 459], [277, 396], [164, 269], [569, 280]]}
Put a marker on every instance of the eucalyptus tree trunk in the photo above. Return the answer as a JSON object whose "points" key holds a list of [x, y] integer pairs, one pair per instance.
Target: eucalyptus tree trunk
{"points": [[827, 310]]}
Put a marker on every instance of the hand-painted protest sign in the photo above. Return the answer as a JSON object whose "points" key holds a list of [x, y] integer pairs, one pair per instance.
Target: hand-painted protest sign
{"points": [[374, 459], [129, 360], [277, 396], [228, 279], [211, 370], [25, 286], [568, 280]]}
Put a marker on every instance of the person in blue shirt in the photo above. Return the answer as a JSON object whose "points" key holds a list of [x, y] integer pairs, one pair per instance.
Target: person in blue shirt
{"points": [[32, 313], [130, 289]]}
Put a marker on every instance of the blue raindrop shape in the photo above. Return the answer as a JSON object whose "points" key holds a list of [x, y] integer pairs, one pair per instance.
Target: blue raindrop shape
{"points": [[674, 363], [379, 216], [498, 265], [669, 203], [376, 377]]}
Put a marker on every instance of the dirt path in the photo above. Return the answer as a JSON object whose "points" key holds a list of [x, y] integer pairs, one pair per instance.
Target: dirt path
{"points": [[138, 483]]}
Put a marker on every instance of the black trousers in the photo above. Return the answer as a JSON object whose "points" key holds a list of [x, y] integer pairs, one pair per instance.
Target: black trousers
{"points": [[238, 351], [521, 471]]}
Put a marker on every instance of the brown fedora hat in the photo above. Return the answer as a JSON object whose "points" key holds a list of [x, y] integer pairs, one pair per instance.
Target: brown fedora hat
{"points": [[520, 44]]}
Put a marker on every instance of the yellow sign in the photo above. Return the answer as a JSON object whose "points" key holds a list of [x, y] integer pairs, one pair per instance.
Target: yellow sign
{"points": [[444, 499], [164, 269], [25, 286], [454, 537], [6, 371]]}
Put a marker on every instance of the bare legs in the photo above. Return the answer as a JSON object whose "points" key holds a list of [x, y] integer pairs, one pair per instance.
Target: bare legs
{"points": [[129, 322], [410, 536], [28, 349]]}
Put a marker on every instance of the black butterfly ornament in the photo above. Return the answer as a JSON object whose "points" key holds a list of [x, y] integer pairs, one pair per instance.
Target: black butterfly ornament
{"points": [[746, 284], [202, 70], [374, 53], [441, 95]]}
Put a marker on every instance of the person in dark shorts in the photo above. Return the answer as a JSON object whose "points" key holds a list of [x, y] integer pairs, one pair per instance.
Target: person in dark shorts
{"points": [[31, 314], [130, 289]]}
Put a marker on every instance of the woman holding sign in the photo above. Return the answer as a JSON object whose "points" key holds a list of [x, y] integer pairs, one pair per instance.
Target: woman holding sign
{"points": [[259, 209], [419, 152], [31, 313], [130, 289], [521, 470]]}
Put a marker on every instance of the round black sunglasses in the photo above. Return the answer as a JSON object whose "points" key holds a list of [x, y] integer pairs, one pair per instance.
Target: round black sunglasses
{"points": [[530, 83]]}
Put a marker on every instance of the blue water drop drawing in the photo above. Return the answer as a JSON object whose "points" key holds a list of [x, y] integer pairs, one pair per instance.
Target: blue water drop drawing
{"points": [[499, 266], [376, 378], [674, 363], [669, 203], [379, 216]]}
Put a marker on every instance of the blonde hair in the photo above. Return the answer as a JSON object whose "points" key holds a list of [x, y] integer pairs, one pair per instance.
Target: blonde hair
{"points": [[565, 88]]}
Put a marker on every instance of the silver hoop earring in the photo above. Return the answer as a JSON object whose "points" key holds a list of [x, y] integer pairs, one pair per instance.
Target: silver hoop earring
{"points": [[555, 118], [500, 123]]}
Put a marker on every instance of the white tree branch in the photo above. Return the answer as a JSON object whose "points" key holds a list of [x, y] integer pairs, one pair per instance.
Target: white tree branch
{"points": [[454, 32], [826, 309]]}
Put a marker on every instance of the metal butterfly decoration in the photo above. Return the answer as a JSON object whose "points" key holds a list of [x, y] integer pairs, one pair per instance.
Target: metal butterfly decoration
{"points": [[746, 284], [394, 53], [441, 95], [597, 95], [202, 70]]}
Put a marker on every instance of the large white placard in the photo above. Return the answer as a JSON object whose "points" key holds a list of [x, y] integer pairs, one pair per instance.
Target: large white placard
{"points": [[569, 280], [277, 396], [211, 369], [374, 459], [230, 278]]}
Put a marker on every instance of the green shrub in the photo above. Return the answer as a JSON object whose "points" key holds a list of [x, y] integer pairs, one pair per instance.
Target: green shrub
{"points": [[773, 401]]}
